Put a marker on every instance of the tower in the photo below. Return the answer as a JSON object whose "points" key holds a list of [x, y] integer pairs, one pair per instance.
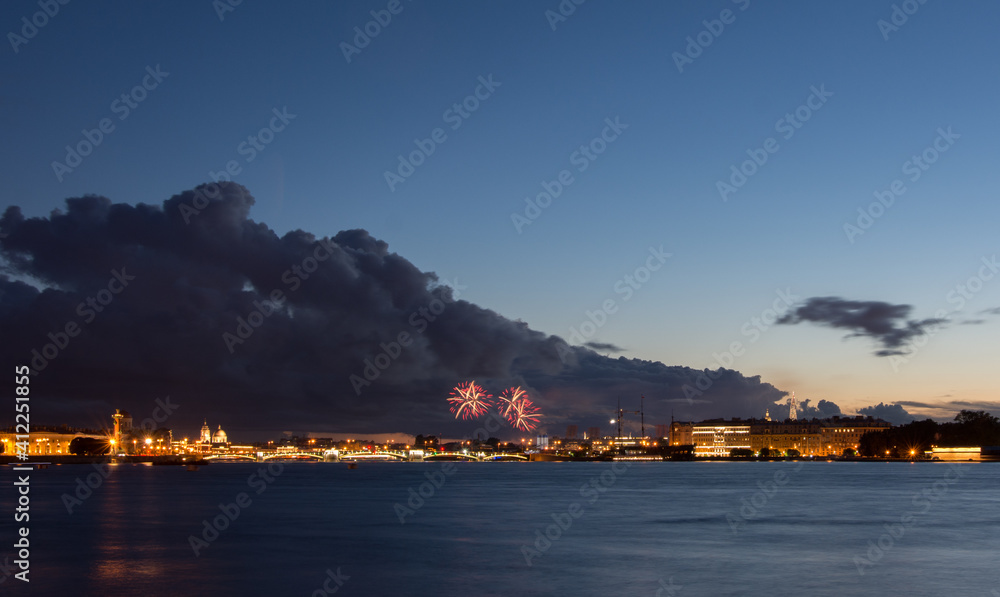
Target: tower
{"points": [[206, 433], [793, 411], [118, 416]]}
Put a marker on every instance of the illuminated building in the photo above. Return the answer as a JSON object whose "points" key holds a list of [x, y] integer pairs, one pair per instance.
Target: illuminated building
{"points": [[827, 437], [955, 454], [680, 434], [208, 442], [44, 442], [838, 434], [720, 437], [784, 436]]}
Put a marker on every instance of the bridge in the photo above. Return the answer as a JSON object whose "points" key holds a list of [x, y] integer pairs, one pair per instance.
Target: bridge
{"points": [[361, 455]]}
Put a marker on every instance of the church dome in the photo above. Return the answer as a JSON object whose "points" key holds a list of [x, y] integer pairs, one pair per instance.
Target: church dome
{"points": [[220, 436]]}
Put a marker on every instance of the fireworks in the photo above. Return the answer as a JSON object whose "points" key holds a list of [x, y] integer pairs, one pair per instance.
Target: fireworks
{"points": [[469, 401], [521, 413]]}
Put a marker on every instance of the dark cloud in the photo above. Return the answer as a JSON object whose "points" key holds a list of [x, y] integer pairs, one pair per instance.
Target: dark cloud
{"points": [[949, 409], [603, 347], [884, 322], [822, 410], [993, 311], [196, 274], [893, 413]]}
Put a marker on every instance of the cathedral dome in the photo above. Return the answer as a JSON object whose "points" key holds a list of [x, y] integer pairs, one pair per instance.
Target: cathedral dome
{"points": [[220, 436]]}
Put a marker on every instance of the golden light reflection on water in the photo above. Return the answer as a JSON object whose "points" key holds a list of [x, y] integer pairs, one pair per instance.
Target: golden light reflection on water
{"points": [[126, 556]]}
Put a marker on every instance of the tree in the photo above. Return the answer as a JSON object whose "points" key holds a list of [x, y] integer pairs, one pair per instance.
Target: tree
{"points": [[793, 453], [976, 417], [849, 453], [89, 446], [741, 452]]}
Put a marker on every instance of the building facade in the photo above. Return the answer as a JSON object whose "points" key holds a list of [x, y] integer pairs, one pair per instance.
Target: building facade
{"points": [[720, 437]]}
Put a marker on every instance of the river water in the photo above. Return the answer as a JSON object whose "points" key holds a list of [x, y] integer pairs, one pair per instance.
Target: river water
{"points": [[517, 529]]}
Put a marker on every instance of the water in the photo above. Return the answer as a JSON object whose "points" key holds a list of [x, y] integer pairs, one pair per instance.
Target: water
{"points": [[655, 529]]}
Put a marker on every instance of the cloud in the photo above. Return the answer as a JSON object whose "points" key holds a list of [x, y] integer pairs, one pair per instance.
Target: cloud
{"points": [[948, 410], [893, 413], [993, 311], [884, 322], [603, 347], [822, 410], [198, 275]]}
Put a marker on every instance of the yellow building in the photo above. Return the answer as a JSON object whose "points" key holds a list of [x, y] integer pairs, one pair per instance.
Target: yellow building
{"points": [[782, 437], [845, 434], [820, 438], [42, 443], [680, 434]]}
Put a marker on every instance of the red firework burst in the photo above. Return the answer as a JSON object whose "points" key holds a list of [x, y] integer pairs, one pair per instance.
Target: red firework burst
{"points": [[469, 401], [520, 412]]}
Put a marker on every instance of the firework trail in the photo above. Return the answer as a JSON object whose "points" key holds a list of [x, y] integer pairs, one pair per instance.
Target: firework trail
{"points": [[520, 412], [469, 401]]}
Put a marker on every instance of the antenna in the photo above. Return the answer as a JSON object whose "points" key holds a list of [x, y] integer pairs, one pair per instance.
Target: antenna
{"points": [[642, 416]]}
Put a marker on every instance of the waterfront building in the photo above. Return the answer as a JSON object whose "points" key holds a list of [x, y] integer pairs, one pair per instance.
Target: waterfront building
{"points": [[720, 437], [819, 438], [844, 433], [802, 436], [41, 443], [680, 434]]}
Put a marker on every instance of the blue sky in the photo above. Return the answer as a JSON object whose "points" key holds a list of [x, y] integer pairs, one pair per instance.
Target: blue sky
{"points": [[654, 185]]}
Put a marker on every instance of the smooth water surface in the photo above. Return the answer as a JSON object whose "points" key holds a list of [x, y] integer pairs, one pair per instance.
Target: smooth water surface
{"points": [[672, 528]]}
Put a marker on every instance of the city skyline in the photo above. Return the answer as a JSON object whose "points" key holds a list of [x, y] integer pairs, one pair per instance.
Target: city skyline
{"points": [[720, 204]]}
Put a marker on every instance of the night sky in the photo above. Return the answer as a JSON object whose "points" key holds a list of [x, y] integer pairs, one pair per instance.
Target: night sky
{"points": [[599, 203]]}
